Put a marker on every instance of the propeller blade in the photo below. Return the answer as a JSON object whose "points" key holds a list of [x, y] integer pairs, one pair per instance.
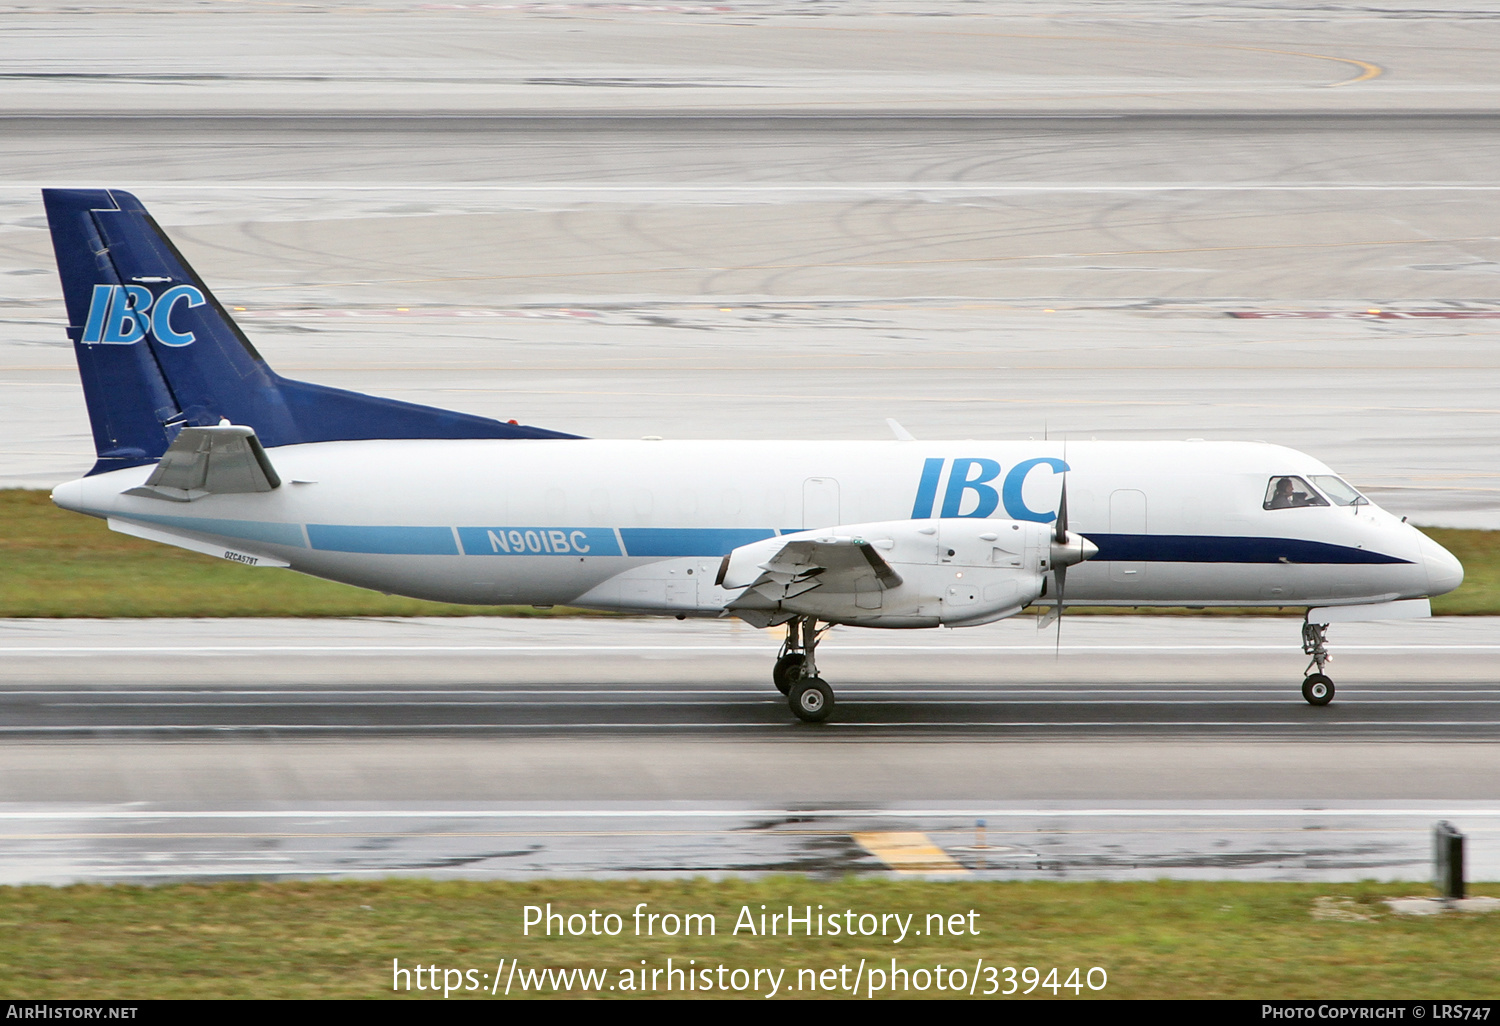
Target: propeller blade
{"points": [[1060, 525], [1049, 614], [1059, 567], [1049, 608], [1062, 580]]}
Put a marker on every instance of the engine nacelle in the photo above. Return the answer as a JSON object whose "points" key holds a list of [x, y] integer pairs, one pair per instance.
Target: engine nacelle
{"points": [[902, 573]]}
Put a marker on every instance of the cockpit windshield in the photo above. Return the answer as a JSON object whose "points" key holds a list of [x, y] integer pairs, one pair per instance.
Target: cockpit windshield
{"points": [[1338, 490], [1288, 492]]}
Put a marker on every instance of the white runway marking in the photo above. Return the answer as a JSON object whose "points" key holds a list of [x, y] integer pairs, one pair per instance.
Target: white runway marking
{"points": [[833, 725], [741, 649], [703, 698], [1022, 692], [679, 813], [761, 188]]}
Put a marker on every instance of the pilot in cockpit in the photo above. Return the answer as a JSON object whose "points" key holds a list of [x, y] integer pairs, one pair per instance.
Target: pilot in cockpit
{"points": [[1291, 492], [1285, 495]]}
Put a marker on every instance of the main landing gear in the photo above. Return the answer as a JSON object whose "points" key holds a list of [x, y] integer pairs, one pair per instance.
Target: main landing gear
{"points": [[1317, 688], [796, 672]]}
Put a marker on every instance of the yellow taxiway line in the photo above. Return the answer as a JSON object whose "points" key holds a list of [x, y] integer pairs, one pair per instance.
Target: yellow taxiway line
{"points": [[907, 851]]}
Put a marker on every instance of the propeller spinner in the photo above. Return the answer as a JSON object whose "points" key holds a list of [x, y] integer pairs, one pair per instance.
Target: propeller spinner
{"points": [[1067, 549]]}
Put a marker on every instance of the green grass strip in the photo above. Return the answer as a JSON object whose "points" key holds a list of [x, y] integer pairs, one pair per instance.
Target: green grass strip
{"points": [[56, 563], [1162, 939]]}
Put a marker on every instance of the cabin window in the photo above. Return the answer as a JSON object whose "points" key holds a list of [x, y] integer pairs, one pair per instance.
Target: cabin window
{"points": [[1339, 490], [1287, 492]]}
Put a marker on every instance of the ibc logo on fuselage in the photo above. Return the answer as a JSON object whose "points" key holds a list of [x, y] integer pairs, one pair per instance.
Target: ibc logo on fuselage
{"points": [[971, 494], [121, 315]]}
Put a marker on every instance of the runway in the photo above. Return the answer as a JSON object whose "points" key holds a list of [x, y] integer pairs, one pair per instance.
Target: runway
{"points": [[1450, 713], [183, 749], [1117, 678], [149, 845]]}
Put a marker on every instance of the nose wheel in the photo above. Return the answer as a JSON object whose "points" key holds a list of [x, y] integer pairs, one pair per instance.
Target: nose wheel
{"points": [[1317, 688], [796, 672]]}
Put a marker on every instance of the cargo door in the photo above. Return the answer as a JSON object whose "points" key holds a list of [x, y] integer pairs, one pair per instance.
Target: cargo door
{"points": [[1127, 516], [820, 503]]}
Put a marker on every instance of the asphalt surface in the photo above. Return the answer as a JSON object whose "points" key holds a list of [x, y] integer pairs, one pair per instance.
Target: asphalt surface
{"points": [[1334, 842], [1115, 677], [1445, 712], [154, 750], [759, 220]]}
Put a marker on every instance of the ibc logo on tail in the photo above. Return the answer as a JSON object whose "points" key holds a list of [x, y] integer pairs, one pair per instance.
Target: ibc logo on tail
{"points": [[120, 315]]}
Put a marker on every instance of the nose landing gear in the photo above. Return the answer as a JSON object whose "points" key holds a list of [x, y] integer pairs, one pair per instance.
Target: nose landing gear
{"points": [[796, 672], [1317, 687]]}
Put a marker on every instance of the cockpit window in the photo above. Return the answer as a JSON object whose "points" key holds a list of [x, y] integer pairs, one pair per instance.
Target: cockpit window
{"points": [[1289, 492], [1337, 489]]}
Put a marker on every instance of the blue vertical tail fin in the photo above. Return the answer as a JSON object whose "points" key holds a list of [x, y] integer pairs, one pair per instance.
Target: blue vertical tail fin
{"points": [[157, 352]]}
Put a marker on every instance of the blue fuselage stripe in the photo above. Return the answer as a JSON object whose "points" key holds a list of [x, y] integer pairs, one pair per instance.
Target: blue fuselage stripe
{"points": [[1196, 548], [539, 541], [395, 541], [689, 541], [267, 531], [670, 542]]}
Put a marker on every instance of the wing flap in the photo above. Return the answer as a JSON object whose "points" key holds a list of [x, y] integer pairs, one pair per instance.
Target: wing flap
{"points": [[839, 564], [1403, 609]]}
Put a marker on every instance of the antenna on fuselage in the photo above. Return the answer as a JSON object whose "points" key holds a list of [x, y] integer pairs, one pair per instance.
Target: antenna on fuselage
{"points": [[902, 435]]}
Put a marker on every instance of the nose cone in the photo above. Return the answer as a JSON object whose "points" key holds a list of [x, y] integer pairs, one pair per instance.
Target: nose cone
{"points": [[1444, 573], [69, 495]]}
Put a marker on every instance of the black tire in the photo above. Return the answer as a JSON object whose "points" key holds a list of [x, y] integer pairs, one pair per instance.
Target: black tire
{"points": [[788, 669], [811, 700], [1317, 689]]}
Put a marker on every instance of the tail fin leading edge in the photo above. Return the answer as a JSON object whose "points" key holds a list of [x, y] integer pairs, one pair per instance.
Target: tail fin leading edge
{"points": [[157, 352]]}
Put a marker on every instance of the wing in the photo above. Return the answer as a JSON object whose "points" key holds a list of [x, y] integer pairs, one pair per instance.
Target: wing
{"points": [[838, 564]]}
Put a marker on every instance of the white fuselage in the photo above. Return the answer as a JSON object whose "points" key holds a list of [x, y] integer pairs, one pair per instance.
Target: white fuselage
{"points": [[644, 525]]}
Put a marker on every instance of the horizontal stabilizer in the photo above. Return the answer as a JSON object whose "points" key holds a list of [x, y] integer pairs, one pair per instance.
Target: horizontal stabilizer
{"points": [[223, 460]]}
